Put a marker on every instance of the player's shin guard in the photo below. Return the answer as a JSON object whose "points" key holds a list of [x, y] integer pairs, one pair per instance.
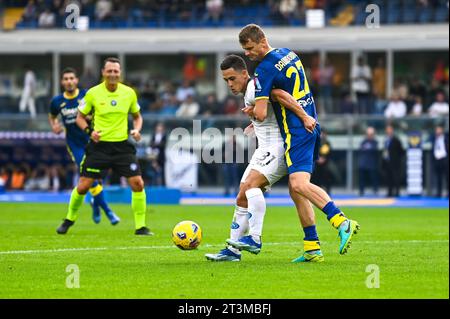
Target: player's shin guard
{"points": [[257, 210], [76, 200], [239, 226], [334, 214], [139, 207], [99, 196]]}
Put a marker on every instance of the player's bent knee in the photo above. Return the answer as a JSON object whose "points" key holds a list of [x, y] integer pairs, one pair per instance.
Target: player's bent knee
{"points": [[137, 184], [84, 184], [298, 188], [82, 190], [83, 187]]}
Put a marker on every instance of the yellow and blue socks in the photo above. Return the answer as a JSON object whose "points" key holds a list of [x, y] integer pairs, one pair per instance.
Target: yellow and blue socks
{"points": [[139, 207], [76, 200], [99, 196], [311, 240], [334, 214]]}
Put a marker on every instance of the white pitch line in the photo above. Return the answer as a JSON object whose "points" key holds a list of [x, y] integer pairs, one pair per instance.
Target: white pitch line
{"points": [[62, 250]]}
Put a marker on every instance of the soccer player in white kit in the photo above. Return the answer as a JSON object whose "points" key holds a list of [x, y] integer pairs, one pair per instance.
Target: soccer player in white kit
{"points": [[266, 167]]}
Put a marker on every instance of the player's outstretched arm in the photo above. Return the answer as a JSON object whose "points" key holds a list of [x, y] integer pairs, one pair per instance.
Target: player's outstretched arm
{"points": [[137, 126], [291, 104]]}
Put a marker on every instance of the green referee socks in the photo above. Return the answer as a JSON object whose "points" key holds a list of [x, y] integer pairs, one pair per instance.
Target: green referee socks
{"points": [[76, 200], [139, 207]]}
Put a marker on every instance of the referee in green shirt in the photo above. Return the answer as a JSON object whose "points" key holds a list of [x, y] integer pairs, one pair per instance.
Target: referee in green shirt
{"points": [[110, 102]]}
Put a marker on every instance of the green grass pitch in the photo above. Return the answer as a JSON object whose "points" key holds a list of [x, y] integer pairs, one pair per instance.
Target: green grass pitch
{"points": [[409, 245]]}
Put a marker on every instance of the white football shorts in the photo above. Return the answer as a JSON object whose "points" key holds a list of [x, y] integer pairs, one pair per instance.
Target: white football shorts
{"points": [[270, 162]]}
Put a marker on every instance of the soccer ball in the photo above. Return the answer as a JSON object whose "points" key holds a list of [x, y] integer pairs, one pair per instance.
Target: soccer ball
{"points": [[187, 235]]}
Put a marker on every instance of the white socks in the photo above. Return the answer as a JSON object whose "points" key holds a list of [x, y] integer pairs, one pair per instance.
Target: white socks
{"points": [[239, 226], [257, 210]]}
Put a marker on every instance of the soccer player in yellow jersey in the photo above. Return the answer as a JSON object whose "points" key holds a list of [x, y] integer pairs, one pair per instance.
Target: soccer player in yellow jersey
{"points": [[110, 102]]}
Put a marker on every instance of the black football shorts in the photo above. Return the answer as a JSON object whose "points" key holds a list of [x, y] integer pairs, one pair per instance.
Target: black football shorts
{"points": [[101, 156]]}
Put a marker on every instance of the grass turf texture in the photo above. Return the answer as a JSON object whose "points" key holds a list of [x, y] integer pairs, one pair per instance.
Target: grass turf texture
{"points": [[409, 245]]}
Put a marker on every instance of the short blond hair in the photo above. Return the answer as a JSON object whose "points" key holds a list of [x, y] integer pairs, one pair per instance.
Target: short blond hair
{"points": [[251, 32]]}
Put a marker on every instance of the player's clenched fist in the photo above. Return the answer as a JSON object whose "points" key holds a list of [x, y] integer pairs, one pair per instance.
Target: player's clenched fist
{"points": [[136, 135], [249, 111], [57, 128], [95, 136], [310, 123]]}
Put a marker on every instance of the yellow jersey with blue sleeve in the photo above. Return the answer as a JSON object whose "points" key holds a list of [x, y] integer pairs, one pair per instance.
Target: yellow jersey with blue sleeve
{"points": [[281, 68], [110, 110]]}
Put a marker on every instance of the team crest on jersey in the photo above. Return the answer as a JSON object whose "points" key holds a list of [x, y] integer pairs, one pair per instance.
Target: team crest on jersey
{"points": [[62, 104], [113, 102], [133, 166]]}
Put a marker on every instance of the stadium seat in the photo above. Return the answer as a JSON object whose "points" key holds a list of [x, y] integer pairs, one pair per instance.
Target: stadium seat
{"points": [[106, 25], [393, 4], [409, 14], [239, 12], [393, 15], [360, 14], [27, 25], [151, 24], [344, 17], [121, 24], [425, 15], [393, 11], [441, 14], [11, 16], [294, 22]]}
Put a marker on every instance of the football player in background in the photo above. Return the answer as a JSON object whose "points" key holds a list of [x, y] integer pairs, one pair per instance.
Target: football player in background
{"points": [[66, 105]]}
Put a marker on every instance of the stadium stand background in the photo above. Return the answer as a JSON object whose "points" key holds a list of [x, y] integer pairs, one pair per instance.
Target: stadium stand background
{"points": [[230, 13], [164, 65]]}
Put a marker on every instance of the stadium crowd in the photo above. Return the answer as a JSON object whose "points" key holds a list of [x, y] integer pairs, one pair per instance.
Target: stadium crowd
{"points": [[357, 89], [364, 93], [360, 90]]}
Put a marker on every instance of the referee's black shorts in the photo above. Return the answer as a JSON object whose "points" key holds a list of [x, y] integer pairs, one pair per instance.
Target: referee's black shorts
{"points": [[101, 156]]}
